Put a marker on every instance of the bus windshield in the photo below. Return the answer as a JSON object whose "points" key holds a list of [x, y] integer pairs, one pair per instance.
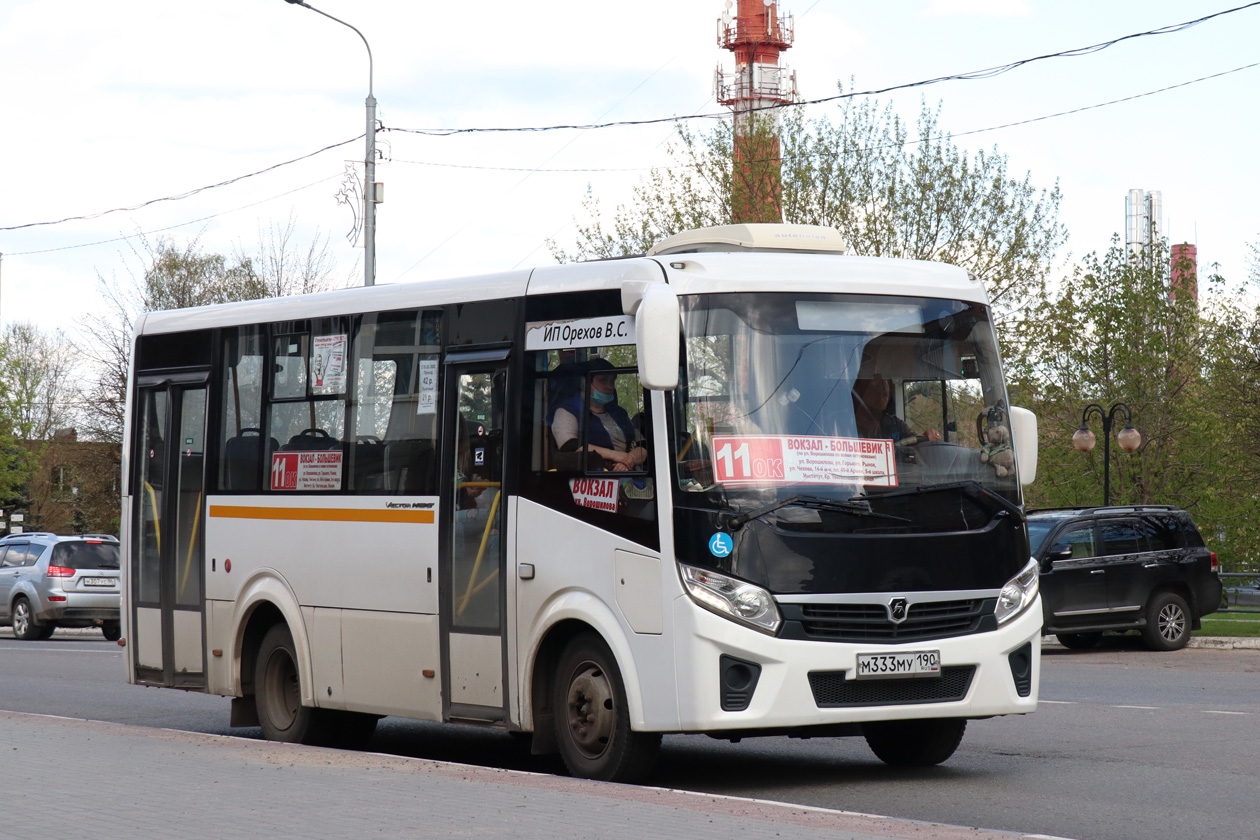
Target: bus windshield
{"points": [[844, 412]]}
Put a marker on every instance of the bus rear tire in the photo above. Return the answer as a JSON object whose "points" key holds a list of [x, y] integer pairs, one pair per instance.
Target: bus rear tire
{"points": [[914, 743], [592, 718], [278, 694]]}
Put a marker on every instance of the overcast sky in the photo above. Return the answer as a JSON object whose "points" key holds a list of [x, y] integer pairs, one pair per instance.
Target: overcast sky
{"points": [[112, 105]]}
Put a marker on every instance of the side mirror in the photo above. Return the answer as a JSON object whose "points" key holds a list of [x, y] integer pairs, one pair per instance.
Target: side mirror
{"points": [[1024, 441], [656, 320]]}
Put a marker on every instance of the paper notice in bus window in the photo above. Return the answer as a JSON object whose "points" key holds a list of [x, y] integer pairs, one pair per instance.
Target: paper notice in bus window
{"points": [[768, 459], [328, 364], [306, 470], [598, 493], [428, 387]]}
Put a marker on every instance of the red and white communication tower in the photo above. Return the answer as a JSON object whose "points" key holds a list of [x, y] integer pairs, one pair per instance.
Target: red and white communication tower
{"points": [[756, 34]]}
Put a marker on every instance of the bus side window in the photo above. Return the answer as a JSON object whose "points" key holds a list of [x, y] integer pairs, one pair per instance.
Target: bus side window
{"points": [[396, 403], [306, 413], [242, 443]]}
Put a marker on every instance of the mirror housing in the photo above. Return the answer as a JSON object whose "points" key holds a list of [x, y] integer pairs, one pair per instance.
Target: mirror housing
{"points": [[657, 334], [1024, 439]]}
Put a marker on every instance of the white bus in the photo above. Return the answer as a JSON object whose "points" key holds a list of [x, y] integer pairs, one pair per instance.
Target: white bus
{"points": [[744, 485]]}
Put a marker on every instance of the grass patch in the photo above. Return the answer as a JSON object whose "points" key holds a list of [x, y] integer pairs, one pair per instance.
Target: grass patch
{"points": [[1227, 624]]}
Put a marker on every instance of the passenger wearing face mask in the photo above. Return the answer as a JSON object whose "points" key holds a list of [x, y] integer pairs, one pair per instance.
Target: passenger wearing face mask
{"points": [[610, 432]]}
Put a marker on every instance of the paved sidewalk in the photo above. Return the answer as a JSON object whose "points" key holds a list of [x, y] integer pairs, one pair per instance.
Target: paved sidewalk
{"points": [[99, 781]]}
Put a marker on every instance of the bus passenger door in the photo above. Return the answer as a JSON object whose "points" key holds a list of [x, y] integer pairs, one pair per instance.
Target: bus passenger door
{"points": [[166, 640], [472, 552]]}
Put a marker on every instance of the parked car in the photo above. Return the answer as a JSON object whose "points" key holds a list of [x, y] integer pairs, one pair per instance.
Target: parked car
{"points": [[47, 581], [1139, 568], [1243, 597]]}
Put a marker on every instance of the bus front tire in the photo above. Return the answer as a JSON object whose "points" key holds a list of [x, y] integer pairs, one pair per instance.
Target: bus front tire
{"points": [[278, 694], [592, 719], [914, 743]]}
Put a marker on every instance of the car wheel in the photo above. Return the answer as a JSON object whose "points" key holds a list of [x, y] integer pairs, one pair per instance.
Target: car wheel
{"points": [[1167, 622], [278, 695], [1078, 641], [25, 625], [592, 719], [914, 743], [112, 630]]}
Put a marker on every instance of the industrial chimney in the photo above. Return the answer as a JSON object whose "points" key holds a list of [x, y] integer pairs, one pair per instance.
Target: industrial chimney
{"points": [[756, 34]]}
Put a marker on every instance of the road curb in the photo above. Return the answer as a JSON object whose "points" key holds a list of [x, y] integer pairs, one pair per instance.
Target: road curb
{"points": [[1207, 642]]}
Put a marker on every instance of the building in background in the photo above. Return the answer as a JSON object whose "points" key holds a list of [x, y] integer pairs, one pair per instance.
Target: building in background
{"points": [[1143, 222]]}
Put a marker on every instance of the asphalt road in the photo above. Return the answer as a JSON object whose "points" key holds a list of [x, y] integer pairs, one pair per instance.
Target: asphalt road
{"points": [[1126, 745]]}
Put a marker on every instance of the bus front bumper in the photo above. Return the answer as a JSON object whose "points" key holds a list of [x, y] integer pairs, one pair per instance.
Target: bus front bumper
{"points": [[811, 683]]}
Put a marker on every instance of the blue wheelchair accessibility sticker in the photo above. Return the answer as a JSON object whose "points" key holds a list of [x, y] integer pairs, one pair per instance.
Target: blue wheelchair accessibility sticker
{"points": [[721, 545]]}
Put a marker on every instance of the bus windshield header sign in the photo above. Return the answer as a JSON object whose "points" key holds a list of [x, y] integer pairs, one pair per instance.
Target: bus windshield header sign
{"points": [[786, 459], [579, 332]]}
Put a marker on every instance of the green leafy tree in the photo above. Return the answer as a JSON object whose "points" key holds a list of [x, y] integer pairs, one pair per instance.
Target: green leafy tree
{"points": [[887, 194], [36, 370], [1111, 332]]}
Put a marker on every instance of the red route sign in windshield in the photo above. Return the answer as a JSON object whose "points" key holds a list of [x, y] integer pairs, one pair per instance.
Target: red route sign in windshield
{"points": [[784, 459]]}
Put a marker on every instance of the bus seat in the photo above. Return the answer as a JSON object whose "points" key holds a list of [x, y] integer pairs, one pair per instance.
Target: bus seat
{"points": [[369, 465], [411, 467], [310, 440], [242, 457]]}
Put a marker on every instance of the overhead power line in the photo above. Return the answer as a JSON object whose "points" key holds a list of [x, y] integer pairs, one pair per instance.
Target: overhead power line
{"points": [[912, 142], [182, 195], [987, 73], [176, 226], [972, 75]]}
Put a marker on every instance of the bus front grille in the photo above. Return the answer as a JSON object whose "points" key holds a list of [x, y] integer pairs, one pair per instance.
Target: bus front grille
{"points": [[832, 690], [870, 622]]}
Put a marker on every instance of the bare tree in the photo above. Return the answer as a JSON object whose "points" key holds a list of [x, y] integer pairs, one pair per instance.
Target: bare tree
{"points": [[284, 267], [171, 277]]}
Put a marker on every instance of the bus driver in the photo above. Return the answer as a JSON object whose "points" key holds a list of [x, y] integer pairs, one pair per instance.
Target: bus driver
{"points": [[870, 404]]}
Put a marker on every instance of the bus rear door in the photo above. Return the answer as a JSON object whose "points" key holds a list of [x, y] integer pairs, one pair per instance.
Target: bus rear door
{"points": [[167, 620]]}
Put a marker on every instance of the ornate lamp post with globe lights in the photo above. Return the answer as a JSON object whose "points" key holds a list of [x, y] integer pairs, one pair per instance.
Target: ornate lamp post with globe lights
{"points": [[1129, 438]]}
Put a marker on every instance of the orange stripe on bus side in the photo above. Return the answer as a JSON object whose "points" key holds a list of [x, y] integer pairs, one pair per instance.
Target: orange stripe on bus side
{"points": [[321, 514]]}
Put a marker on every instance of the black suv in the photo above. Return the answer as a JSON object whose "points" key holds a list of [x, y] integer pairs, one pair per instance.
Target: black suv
{"points": [[1139, 567]]}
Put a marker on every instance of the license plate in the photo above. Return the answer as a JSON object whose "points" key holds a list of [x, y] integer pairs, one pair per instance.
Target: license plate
{"points": [[882, 666], [99, 581]]}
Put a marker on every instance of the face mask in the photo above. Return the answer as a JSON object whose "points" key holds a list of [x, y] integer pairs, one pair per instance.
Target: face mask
{"points": [[600, 398]]}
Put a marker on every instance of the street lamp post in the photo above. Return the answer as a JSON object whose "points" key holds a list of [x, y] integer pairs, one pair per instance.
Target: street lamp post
{"points": [[369, 162], [1129, 438]]}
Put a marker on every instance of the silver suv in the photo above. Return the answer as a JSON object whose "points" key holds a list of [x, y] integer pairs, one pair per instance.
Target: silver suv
{"points": [[47, 581]]}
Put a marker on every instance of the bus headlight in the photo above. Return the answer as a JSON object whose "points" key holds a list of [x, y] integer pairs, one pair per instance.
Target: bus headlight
{"points": [[1018, 593], [732, 598]]}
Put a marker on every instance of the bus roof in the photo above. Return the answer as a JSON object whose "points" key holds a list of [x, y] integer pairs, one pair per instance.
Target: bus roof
{"points": [[690, 273]]}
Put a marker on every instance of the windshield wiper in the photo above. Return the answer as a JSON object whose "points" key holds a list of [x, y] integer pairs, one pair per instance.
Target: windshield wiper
{"points": [[857, 507], [971, 487]]}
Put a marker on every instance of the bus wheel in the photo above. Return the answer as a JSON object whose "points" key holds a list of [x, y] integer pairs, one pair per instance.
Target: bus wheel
{"points": [[592, 719], [914, 743], [279, 696]]}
